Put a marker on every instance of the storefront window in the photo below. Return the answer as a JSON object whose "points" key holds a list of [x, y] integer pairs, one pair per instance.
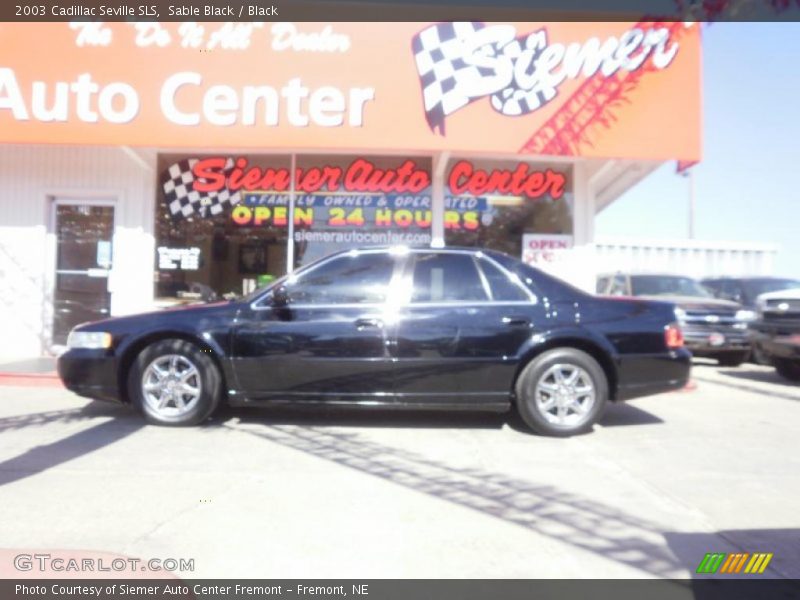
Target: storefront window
{"points": [[495, 204], [223, 221], [355, 201], [206, 245]]}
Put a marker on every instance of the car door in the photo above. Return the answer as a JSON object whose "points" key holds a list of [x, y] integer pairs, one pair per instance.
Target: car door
{"points": [[458, 337], [328, 342]]}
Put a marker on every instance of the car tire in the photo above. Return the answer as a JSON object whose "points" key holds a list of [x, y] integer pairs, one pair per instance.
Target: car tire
{"points": [[788, 369], [734, 359], [548, 403], [174, 383]]}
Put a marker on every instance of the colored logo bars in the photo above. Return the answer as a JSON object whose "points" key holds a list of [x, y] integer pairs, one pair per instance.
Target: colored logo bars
{"points": [[719, 562]]}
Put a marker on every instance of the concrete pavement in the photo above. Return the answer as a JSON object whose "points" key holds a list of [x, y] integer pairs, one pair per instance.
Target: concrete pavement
{"points": [[366, 494]]}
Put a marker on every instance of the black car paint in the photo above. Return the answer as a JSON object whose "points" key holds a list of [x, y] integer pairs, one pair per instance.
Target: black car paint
{"points": [[460, 356]]}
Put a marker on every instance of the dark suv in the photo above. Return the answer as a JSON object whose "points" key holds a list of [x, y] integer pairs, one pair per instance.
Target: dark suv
{"points": [[745, 291], [776, 333], [713, 328]]}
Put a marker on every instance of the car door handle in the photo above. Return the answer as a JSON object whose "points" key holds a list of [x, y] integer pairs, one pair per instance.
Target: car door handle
{"points": [[516, 321], [368, 324]]}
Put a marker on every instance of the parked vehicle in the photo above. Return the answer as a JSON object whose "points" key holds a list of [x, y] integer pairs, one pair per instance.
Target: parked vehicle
{"points": [[745, 291], [402, 328], [712, 327], [776, 333]]}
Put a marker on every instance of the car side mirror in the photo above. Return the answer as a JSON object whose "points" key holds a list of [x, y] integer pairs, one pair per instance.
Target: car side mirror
{"points": [[280, 297]]}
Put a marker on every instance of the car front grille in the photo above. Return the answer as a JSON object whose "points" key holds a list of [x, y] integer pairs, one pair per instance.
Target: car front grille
{"points": [[714, 319], [788, 305], [778, 309]]}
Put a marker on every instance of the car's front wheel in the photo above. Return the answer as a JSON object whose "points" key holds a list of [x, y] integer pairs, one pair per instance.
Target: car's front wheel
{"points": [[561, 392], [173, 382], [788, 369]]}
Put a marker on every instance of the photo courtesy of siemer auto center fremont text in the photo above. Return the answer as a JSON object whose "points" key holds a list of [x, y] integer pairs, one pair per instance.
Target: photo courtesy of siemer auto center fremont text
{"points": [[465, 300]]}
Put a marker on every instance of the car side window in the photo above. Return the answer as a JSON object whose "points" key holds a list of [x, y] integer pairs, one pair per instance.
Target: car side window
{"points": [[358, 279], [712, 286], [503, 289], [619, 287], [602, 284], [441, 277], [730, 290]]}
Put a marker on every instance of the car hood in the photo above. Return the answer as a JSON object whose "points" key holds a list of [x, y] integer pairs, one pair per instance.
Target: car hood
{"points": [[192, 313], [696, 303], [793, 294]]}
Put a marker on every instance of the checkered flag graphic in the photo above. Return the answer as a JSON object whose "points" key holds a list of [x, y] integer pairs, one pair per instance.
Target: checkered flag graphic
{"points": [[443, 72], [183, 200], [444, 55]]}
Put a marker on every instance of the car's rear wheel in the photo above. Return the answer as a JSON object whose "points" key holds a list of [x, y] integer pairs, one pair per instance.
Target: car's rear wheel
{"points": [[732, 359], [788, 369], [561, 392], [173, 382]]}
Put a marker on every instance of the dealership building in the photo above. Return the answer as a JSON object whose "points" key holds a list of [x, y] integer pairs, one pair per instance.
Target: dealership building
{"points": [[152, 165]]}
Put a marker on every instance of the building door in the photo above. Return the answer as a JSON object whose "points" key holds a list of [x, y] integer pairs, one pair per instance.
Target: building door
{"points": [[84, 232], [460, 336], [328, 342]]}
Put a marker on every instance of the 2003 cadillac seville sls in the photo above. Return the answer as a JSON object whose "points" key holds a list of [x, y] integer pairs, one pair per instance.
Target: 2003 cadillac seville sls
{"points": [[392, 327]]}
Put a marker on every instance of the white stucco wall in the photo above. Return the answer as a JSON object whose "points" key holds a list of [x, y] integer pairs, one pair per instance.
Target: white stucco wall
{"points": [[31, 177]]}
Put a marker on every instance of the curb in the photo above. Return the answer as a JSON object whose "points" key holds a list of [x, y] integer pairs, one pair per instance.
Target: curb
{"points": [[48, 380]]}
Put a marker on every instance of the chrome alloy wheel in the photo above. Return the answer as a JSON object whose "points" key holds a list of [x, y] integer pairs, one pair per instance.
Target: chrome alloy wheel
{"points": [[565, 395], [171, 385]]}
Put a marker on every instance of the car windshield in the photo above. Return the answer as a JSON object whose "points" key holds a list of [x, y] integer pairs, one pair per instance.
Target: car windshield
{"points": [[756, 287], [667, 285]]}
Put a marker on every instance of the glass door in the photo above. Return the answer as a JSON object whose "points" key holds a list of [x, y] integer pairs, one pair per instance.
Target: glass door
{"points": [[84, 235]]}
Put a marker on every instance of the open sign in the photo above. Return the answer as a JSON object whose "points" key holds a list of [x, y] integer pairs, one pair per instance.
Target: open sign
{"points": [[543, 249]]}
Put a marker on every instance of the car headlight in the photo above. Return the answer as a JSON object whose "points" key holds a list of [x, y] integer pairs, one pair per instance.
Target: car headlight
{"points": [[680, 314], [746, 315], [89, 340]]}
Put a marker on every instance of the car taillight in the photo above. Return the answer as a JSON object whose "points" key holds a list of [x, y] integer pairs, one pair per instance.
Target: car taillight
{"points": [[673, 336]]}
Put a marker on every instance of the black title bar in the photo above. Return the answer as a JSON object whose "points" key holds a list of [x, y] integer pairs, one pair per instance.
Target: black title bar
{"points": [[398, 10]]}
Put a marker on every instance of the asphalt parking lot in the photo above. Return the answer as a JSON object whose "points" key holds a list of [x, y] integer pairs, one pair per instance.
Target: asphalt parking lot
{"points": [[301, 493]]}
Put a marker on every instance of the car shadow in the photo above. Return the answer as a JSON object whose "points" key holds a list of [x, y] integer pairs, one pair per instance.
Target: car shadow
{"points": [[335, 416], [621, 414], [120, 423], [765, 376], [616, 415]]}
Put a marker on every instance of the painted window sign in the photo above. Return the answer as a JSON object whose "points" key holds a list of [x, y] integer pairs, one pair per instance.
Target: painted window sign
{"points": [[184, 259], [214, 174], [353, 195]]}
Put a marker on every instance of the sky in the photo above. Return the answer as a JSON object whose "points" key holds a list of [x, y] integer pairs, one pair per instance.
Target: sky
{"points": [[747, 187]]}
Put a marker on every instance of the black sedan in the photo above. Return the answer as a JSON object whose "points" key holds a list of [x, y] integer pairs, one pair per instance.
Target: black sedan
{"points": [[392, 327]]}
